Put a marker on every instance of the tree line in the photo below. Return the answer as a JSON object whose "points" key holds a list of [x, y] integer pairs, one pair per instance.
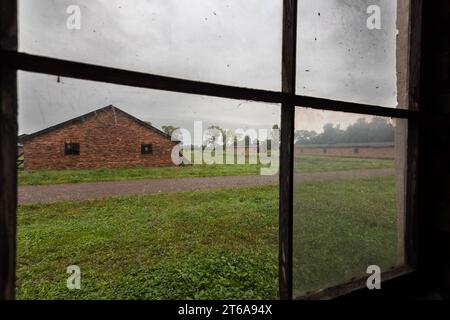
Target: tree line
{"points": [[378, 129], [362, 131], [230, 137]]}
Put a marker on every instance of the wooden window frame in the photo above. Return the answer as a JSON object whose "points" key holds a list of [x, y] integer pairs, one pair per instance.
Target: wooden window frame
{"points": [[11, 60], [69, 149], [150, 149]]}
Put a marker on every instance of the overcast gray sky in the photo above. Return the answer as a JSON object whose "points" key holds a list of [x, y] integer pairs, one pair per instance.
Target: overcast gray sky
{"points": [[235, 42]]}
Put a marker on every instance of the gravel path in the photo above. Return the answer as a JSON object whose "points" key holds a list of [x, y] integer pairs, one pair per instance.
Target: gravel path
{"points": [[96, 190]]}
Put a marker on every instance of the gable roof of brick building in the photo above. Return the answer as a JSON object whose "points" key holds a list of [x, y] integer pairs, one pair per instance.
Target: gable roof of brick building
{"points": [[84, 117]]}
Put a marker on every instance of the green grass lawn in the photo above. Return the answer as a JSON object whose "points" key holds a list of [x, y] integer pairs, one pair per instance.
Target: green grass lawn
{"points": [[220, 244], [303, 164], [306, 163], [203, 245], [340, 228]]}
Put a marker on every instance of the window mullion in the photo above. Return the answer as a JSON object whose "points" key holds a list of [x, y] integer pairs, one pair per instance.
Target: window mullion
{"points": [[286, 149], [8, 154]]}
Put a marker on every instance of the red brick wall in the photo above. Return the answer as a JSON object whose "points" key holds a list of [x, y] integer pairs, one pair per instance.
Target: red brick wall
{"points": [[363, 152], [107, 140]]}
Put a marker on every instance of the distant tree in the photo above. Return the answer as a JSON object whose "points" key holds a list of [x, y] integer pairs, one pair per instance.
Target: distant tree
{"points": [[275, 137], [231, 135], [169, 129], [212, 139], [358, 131], [381, 130], [305, 136], [248, 141], [330, 134]]}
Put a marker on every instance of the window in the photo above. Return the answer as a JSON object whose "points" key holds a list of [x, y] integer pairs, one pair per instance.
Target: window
{"points": [[351, 214], [122, 144], [339, 57], [71, 149], [164, 37], [355, 85], [146, 149]]}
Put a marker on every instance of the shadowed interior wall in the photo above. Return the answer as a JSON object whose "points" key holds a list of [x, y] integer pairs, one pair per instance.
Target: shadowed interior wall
{"points": [[434, 224]]}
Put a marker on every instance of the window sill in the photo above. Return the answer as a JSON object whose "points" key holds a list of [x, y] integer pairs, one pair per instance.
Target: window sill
{"points": [[358, 284]]}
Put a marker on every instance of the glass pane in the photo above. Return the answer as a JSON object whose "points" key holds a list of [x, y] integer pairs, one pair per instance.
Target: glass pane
{"points": [[207, 40], [349, 188], [347, 50], [103, 187]]}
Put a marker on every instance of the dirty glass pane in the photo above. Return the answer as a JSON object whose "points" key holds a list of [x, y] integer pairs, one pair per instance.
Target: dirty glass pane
{"points": [[151, 194], [347, 50], [349, 187], [208, 40]]}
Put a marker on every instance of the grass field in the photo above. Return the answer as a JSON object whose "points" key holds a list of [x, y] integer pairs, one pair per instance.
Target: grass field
{"points": [[303, 164], [220, 244], [342, 227], [205, 244]]}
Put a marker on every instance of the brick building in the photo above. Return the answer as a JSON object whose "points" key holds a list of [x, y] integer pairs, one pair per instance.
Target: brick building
{"points": [[355, 150], [104, 138]]}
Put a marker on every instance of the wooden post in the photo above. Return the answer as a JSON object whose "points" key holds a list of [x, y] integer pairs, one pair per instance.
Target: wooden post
{"points": [[406, 137]]}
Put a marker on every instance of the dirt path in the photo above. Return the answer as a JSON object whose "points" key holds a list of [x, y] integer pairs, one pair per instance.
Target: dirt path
{"points": [[96, 190]]}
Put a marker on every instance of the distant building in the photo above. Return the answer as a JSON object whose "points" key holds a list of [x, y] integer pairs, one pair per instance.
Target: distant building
{"points": [[105, 138], [382, 150]]}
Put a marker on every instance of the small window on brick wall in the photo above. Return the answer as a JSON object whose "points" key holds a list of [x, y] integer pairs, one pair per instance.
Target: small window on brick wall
{"points": [[146, 149], [71, 149]]}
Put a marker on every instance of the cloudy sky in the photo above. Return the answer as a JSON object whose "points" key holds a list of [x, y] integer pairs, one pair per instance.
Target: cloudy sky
{"points": [[236, 42]]}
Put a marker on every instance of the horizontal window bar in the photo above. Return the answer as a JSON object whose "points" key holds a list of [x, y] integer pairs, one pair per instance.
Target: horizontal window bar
{"points": [[84, 71], [344, 106]]}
